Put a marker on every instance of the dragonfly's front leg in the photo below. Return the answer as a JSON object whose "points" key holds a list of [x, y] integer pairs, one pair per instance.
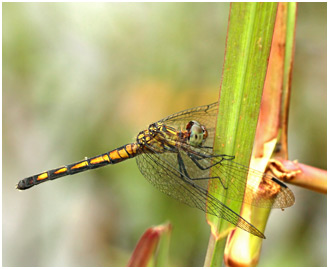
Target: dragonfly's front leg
{"points": [[200, 156], [183, 170], [197, 158]]}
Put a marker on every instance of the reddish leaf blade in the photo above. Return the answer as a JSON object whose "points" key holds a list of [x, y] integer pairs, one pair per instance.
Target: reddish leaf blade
{"points": [[146, 251]]}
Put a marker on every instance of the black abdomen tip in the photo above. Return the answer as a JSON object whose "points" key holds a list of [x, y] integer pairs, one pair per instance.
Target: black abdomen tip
{"points": [[22, 185]]}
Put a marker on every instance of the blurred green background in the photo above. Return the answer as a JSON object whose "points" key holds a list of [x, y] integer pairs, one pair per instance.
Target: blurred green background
{"points": [[81, 79]]}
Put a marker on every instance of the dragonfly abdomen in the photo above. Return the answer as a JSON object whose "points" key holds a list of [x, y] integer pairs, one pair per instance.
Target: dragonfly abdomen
{"points": [[112, 157]]}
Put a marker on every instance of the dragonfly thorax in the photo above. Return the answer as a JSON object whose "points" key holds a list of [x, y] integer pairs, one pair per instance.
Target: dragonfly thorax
{"points": [[144, 137], [160, 135], [150, 136]]}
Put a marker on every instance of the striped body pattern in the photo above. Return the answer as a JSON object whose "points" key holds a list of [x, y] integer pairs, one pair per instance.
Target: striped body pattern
{"points": [[112, 157]]}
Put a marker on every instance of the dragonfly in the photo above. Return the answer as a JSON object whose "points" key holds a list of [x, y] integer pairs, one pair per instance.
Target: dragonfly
{"points": [[176, 155]]}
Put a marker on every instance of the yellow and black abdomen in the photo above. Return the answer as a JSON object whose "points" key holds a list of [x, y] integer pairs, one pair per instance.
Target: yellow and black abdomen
{"points": [[112, 157]]}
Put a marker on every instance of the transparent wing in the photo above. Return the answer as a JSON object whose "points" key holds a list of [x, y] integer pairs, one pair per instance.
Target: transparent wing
{"points": [[262, 190], [163, 171], [195, 112]]}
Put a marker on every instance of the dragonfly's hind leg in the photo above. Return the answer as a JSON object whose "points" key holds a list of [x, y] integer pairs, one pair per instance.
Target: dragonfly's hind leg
{"points": [[182, 168]]}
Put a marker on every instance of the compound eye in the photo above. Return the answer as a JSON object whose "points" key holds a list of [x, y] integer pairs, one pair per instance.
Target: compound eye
{"points": [[196, 135]]}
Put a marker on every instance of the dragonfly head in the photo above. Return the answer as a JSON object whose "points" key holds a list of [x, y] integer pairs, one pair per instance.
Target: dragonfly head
{"points": [[197, 133]]}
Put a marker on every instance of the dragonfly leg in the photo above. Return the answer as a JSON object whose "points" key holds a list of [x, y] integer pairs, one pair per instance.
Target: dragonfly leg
{"points": [[183, 170], [225, 157], [196, 160]]}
